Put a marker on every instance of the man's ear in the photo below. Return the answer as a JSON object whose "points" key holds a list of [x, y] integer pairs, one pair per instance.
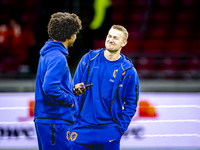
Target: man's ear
{"points": [[124, 43], [73, 36]]}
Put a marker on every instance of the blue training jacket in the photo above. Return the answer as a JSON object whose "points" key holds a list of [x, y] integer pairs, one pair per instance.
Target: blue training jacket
{"points": [[54, 94], [125, 92]]}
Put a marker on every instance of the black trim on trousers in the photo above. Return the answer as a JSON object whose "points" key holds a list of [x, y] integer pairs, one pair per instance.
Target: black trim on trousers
{"points": [[71, 122], [52, 134], [136, 94]]}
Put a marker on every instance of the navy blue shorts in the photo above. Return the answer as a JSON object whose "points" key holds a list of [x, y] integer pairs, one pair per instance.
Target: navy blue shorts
{"points": [[53, 136], [84, 138]]}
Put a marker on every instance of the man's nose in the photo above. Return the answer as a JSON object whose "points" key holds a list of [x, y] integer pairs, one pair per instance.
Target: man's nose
{"points": [[111, 39]]}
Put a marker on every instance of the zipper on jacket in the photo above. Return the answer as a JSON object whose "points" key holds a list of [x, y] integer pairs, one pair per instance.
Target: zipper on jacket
{"points": [[81, 106], [116, 94], [113, 101]]}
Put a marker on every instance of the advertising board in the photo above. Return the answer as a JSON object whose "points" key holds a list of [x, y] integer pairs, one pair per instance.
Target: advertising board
{"points": [[163, 120]]}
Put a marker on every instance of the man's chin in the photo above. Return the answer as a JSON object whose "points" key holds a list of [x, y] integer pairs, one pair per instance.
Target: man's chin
{"points": [[71, 45], [111, 50]]}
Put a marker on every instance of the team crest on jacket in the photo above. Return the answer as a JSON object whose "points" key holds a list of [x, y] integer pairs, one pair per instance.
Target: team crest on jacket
{"points": [[114, 73], [123, 72], [68, 135], [73, 136]]}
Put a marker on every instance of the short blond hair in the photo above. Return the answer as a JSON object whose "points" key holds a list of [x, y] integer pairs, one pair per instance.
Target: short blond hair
{"points": [[122, 29]]}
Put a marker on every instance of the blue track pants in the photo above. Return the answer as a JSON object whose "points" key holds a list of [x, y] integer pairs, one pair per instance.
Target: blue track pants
{"points": [[53, 136], [84, 138]]}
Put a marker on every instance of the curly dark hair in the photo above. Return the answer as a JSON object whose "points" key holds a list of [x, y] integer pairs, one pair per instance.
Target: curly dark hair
{"points": [[63, 25]]}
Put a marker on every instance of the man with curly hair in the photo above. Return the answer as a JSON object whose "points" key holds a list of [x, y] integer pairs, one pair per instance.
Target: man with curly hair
{"points": [[55, 101]]}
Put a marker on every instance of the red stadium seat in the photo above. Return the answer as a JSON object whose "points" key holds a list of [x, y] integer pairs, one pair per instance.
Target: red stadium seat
{"points": [[139, 3], [99, 44], [189, 3], [119, 15], [194, 63], [181, 30], [194, 47], [169, 68], [176, 46], [119, 3], [131, 46], [185, 15], [171, 63], [164, 3], [134, 31], [9, 2], [118, 18], [158, 31], [137, 15], [161, 15], [154, 46], [30, 3], [145, 63]]}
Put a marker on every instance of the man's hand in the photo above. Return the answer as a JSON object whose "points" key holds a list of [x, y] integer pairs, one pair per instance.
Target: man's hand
{"points": [[79, 91]]}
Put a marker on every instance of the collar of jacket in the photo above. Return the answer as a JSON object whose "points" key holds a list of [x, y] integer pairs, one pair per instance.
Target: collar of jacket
{"points": [[126, 63], [51, 45]]}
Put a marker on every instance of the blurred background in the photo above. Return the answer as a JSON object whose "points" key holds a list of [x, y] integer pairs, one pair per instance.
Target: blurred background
{"points": [[164, 40], [163, 44]]}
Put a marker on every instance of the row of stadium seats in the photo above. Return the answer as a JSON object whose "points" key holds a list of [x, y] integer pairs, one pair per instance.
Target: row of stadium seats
{"points": [[158, 3], [156, 15], [156, 46], [17, 24], [164, 37]]}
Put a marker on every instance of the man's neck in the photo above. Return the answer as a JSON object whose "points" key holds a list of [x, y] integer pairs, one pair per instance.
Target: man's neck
{"points": [[112, 56], [65, 43]]}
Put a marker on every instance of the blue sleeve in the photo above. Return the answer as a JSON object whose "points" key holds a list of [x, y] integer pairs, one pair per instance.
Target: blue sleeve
{"points": [[79, 75], [52, 80], [131, 100], [80, 70]]}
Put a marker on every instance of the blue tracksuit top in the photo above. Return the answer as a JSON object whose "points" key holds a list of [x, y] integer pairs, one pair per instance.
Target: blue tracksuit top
{"points": [[125, 91], [54, 87]]}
